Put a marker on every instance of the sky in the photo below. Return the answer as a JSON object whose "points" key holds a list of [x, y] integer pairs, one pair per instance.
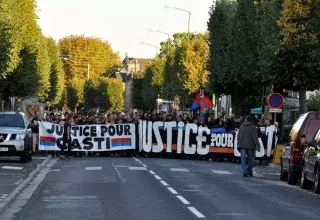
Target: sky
{"points": [[123, 23]]}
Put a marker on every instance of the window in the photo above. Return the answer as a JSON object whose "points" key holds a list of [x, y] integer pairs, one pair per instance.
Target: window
{"points": [[11, 120], [296, 127], [312, 128]]}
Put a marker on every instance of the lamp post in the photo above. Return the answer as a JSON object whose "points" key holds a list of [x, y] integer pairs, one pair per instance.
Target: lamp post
{"points": [[161, 32], [88, 66], [180, 9], [151, 45]]}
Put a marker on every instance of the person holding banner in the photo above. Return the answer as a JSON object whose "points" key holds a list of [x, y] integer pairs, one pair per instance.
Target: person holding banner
{"points": [[248, 143], [67, 137]]}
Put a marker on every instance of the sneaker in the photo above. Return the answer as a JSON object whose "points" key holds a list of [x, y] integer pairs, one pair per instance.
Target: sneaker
{"points": [[245, 175], [250, 174]]}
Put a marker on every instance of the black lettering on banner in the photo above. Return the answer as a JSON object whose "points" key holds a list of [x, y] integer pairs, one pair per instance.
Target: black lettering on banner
{"points": [[93, 131], [104, 130], [80, 131], [59, 130], [75, 144], [86, 131], [74, 131], [60, 143], [119, 129], [88, 145], [99, 141], [107, 143], [112, 130], [127, 130], [51, 130]]}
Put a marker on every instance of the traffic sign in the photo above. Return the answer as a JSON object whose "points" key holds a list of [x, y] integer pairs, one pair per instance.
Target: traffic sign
{"points": [[275, 100], [275, 110]]}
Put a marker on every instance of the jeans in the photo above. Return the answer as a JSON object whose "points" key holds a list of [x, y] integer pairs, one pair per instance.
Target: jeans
{"points": [[250, 154]]}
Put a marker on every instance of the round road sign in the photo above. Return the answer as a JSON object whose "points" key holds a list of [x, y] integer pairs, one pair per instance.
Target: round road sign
{"points": [[275, 100]]}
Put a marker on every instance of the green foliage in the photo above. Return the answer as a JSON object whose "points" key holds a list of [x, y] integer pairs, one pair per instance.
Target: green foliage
{"points": [[137, 89], [79, 51], [104, 93], [56, 73], [314, 101], [74, 91]]}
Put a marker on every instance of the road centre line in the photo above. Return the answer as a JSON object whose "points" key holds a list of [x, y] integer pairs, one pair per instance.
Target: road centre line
{"points": [[196, 212], [183, 200], [153, 173], [172, 191], [11, 168], [157, 177], [164, 183]]}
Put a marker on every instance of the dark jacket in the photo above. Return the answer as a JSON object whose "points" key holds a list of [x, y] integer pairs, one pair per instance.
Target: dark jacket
{"points": [[248, 136]]}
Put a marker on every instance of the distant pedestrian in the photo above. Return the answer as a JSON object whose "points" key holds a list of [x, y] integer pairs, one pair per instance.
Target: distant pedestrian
{"points": [[248, 143]]}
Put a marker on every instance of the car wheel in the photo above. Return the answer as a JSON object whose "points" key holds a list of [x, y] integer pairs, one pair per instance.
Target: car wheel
{"points": [[24, 158], [283, 174], [317, 182], [292, 177], [305, 183]]}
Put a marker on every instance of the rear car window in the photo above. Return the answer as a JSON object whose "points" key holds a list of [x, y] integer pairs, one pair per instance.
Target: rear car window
{"points": [[297, 126], [14, 120], [312, 128]]}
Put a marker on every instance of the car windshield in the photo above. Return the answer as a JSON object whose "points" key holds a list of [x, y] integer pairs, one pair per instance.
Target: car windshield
{"points": [[11, 120]]}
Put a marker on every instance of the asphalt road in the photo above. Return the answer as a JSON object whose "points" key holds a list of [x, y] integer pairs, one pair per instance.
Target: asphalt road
{"points": [[12, 173], [156, 189]]}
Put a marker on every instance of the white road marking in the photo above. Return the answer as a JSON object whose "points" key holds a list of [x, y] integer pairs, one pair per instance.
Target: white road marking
{"points": [[121, 166], [164, 183], [68, 166], [196, 212], [179, 169], [39, 158], [143, 165], [192, 190], [150, 171], [137, 168], [172, 191], [255, 173], [123, 180], [93, 168], [232, 214], [18, 182], [11, 168], [55, 170], [221, 172], [157, 177], [183, 200]]}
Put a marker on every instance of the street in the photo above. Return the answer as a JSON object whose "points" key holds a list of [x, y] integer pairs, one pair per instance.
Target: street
{"points": [[149, 188]]}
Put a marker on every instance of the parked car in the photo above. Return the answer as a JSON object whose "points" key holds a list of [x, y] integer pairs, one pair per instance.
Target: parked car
{"points": [[302, 132], [15, 137], [310, 173]]}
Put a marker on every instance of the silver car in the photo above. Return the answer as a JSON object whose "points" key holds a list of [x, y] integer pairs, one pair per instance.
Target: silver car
{"points": [[15, 136]]}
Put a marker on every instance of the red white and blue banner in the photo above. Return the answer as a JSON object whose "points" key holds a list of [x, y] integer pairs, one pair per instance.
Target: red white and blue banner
{"points": [[88, 137]]}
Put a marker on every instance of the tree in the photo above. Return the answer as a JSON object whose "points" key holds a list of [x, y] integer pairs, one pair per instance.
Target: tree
{"points": [[137, 89], [56, 73], [114, 93], [78, 52], [300, 46], [314, 101], [74, 94]]}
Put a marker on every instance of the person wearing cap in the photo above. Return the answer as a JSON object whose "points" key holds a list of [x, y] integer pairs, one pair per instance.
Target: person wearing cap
{"points": [[248, 143]]}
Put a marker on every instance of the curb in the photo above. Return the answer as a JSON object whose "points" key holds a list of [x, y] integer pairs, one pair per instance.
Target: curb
{"points": [[7, 201]]}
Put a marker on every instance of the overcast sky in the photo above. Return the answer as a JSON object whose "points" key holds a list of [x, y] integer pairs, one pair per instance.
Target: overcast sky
{"points": [[124, 23]]}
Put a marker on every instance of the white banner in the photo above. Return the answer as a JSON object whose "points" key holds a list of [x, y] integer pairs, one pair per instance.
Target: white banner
{"points": [[107, 137]]}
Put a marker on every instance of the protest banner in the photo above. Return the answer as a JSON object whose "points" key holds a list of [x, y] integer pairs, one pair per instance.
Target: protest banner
{"points": [[88, 137], [156, 137]]}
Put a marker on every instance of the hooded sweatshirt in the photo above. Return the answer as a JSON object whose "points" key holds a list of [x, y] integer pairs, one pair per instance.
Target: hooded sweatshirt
{"points": [[248, 136]]}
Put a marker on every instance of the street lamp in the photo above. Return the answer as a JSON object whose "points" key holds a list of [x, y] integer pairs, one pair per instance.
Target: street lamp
{"points": [[88, 66], [180, 9], [151, 45], [161, 32]]}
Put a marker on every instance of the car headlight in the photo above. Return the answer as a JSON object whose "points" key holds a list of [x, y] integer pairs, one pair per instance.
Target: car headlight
{"points": [[21, 137]]}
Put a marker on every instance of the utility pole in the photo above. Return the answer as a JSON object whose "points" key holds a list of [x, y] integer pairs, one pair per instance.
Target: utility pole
{"points": [[126, 80]]}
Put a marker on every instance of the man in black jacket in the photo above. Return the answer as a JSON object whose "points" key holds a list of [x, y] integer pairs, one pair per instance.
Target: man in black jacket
{"points": [[248, 143]]}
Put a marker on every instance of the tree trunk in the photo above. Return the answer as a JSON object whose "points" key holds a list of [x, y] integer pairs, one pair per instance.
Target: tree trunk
{"points": [[303, 101]]}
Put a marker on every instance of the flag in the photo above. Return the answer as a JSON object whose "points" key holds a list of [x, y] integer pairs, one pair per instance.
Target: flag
{"points": [[47, 141], [121, 142], [207, 102]]}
